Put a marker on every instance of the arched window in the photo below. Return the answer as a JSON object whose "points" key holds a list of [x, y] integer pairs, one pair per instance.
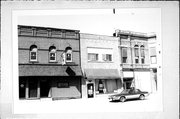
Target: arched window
{"points": [[68, 51], [52, 54], [136, 53], [142, 54], [33, 53]]}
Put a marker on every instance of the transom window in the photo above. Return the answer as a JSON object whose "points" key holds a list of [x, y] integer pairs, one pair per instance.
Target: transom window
{"points": [[52, 54], [33, 53], [92, 57]]}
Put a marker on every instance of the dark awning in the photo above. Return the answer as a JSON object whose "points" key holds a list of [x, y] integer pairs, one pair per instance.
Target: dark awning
{"points": [[102, 73], [46, 70]]}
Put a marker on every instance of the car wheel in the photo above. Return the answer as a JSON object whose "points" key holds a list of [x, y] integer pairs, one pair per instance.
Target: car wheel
{"points": [[141, 97], [122, 99]]}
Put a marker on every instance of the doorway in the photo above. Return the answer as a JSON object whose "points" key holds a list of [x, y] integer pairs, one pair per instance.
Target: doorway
{"points": [[44, 88], [127, 83], [33, 88], [90, 90]]}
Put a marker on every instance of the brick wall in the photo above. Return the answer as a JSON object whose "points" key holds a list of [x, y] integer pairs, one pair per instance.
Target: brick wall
{"points": [[43, 45]]}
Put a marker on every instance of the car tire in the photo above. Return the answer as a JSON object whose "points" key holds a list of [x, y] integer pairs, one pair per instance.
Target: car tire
{"points": [[141, 97], [122, 99]]}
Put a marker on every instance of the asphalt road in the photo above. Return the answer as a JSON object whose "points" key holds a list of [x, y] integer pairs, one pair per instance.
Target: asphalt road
{"points": [[101, 104]]}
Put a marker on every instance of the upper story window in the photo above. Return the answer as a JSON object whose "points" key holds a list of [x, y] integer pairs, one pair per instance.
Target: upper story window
{"points": [[136, 53], [124, 55], [33, 53], [153, 55], [107, 57], [92, 57], [52, 54], [68, 55], [142, 54]]}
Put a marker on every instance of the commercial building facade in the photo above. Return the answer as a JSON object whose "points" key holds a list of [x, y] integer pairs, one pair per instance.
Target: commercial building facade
{"points": [[49, 63], [99, 61], [136, 57], [65, 64]]}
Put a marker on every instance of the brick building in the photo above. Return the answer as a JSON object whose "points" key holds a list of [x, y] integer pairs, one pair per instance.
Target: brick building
{"points": [[136, 59], [49, 63]]}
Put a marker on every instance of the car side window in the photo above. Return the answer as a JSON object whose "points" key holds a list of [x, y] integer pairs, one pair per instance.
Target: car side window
{"points": [[131, 91]]}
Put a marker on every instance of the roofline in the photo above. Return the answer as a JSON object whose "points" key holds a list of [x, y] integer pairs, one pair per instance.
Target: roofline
{"points": [[47, 28], [97, 35], [136, 34]]}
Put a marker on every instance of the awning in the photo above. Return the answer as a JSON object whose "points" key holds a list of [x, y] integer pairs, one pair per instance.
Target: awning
{"points": [[46, 70], [102, 74]]}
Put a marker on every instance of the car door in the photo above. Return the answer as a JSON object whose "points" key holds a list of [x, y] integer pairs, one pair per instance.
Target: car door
{"points": [[133, 94], [130, 95]]}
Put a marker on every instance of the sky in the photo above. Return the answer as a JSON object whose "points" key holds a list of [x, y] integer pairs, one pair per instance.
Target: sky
{"points": [[95, 21]]}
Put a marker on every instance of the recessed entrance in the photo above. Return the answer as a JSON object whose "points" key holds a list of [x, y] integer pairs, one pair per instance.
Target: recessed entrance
{"points": [[127, 83], [90, 89], [33, 88], [44, 88]]}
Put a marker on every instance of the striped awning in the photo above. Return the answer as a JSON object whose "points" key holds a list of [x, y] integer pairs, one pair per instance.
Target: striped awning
{"points": [[46, 70]]}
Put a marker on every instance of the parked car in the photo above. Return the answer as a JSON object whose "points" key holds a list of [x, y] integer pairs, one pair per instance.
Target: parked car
{"points": [[129, 94]]}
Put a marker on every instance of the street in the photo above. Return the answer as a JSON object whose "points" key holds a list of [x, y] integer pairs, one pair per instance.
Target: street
{"points": [[101, 104]]}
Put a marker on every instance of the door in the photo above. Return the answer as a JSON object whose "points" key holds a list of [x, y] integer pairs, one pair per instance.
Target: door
{"points": [[44, 88], [33, 88], [90, 90]]}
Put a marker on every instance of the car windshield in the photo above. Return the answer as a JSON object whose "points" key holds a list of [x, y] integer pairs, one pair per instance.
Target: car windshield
{"points": [[125, 91]]}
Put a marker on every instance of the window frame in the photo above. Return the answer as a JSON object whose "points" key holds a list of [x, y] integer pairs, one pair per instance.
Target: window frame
{"points": [[106, 58], [68, 51], [136, 47], [96, 56], [153, 56], [33, 49], [52, 49], [142, 50], [123, 58]]}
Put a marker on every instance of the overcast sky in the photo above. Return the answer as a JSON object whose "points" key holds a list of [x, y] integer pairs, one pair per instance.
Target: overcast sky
{"points": [[95, 21]]}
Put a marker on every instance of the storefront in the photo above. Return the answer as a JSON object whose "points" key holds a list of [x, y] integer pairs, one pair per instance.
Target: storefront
{"points": [[102, 81], [128, 79], [47, 81]]}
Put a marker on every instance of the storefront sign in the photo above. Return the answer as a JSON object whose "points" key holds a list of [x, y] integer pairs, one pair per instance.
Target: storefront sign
{"points": [[127, 74]]}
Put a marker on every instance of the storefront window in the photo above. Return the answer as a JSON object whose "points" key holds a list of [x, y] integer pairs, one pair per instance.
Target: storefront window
{"points": [[100, 86]]}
